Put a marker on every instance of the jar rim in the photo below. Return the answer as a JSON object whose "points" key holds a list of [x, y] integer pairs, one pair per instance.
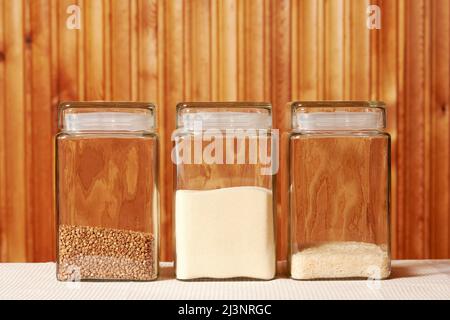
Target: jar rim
{"points": [[224, 115], [107, 116], [338, 115]]}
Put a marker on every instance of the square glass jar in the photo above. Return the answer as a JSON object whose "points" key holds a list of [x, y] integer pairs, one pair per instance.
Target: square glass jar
{"points": [[224, 169], [339, 190], [107, 192]]}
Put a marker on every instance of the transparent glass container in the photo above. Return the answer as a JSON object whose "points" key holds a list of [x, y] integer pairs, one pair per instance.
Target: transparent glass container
{"points": [[224, 166], [107, 192], [339, 191]]}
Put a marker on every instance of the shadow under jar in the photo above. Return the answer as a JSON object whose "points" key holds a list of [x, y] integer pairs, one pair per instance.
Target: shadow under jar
{"points": [[106, 191], [224, 217], [339, 191]]}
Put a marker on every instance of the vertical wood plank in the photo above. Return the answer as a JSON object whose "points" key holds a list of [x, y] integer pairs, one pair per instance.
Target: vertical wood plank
{"points": [[3, 207], [148, 50], [414, 148], [55, 102], [40, 141], [164, 169], [334, 50], [27, 91], [174, 89], [427, 127], [398, 224], [389, 93], [161, 53], [440, 130], [374, 40], [227, 52], [252, 55], [81, 52], [107, 48], [187, 50], [200, 46], [214, 48], [268, 58], [134, 50], [295, 47], [67, 55], [321, 53], [241, 49], [281, 93], [348, 45], [54, 69], [120, 50], [15, 131], [359, 53], [94, 50], [310, 50]]}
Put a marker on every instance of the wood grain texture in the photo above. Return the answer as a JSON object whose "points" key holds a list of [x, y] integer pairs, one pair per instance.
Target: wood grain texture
{"points": [[198, 32], [3, 208], [440, 129], [171, 51], [334, 50], [357, 52], [148, 51], [41, 128], [94, 51], [339, 189], [227, 50], [389, 67], [103, 184], [308, 51], [252, 48], [15, 132], [121, 75], [174, 89], [67, 64], [416, 219], [281, 92]]}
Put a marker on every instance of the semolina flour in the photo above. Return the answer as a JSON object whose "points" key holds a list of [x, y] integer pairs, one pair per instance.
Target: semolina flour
{"points": [[225, 233]]}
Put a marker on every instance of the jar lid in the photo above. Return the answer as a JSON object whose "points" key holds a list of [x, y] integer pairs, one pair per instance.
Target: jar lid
{"points": [[106, 116], [339, 121], [226, 120], [108, 121], [224, 115], [338, 115]]}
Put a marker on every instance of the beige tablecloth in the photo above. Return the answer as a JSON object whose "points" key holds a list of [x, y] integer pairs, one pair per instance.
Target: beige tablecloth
{"points": [[421, 279]]}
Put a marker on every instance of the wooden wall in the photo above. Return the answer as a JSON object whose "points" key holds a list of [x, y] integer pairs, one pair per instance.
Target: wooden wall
{"points": [[273, 50]]}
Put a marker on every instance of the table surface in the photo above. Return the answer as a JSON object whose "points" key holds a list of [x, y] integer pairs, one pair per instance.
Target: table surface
{"points": [[410, 279]]}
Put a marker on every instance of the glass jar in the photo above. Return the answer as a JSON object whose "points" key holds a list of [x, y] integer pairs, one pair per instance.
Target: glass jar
{"points": [[339, 191], [106, 192], [224, 217]]}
